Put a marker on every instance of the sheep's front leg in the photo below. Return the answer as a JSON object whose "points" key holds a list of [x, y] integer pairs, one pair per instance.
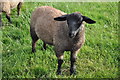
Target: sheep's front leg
{"points": [[73, 60], [44, 45], [60, 61]]}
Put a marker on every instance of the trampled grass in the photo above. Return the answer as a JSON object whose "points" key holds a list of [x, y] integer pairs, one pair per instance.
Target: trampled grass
{"points": [[98, 57]]}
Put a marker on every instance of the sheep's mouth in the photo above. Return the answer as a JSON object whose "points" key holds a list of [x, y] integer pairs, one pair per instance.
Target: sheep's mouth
{"points": [[72, 34]]}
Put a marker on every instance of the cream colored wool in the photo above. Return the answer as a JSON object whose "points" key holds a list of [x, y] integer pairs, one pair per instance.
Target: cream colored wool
{"points": [[8, 5], [55, 32]]}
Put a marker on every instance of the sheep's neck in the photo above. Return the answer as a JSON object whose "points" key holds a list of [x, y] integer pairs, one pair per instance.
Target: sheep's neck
{"points": [[78, 41], [79, 35]]}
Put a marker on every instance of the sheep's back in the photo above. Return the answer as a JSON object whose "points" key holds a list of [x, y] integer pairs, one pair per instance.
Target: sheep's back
{"points": [[43, 22], [5, 7], [14, 3]]}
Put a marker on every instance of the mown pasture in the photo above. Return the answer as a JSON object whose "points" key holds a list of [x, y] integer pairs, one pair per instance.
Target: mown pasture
{"points": [[98, 57]]}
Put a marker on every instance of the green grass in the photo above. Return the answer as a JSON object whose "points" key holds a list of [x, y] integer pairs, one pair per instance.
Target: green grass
{"points": [[98, 57]]}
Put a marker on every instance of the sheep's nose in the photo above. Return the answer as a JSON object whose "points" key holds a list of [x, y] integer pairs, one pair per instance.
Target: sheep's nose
{"points": [[71, 35]]}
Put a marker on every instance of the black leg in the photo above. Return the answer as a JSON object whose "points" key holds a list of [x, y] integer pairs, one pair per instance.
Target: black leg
{"points": [[34, 38], [60, 61], [19, 7], [44, 45], [72, 67], [8, 17], [59, 55], [33, 46], [73, 61]]}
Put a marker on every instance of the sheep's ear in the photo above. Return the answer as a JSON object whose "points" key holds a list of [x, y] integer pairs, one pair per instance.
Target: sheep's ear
{"points": [[61, 18], [88, 20]]}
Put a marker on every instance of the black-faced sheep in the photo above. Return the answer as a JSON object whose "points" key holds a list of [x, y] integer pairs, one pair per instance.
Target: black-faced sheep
{"points": [[66, 32], [7, 5]]}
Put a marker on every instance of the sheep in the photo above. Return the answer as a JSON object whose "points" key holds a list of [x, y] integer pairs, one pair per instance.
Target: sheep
{"points": [[66, 32], [6, 6]]}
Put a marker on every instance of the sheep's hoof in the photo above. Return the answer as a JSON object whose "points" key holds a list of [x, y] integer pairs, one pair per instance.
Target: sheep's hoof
{"points": [[33, 50], [72, 72], [10, 22], [18, 15], [43, 49], [59, 72]]}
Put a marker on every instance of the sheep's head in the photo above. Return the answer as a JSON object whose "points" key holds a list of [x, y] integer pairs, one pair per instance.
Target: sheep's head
{"points": [[74, 22]]}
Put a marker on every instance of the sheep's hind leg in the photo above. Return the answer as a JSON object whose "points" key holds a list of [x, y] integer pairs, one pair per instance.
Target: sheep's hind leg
{"points": [[8, 17], [34, 45], [44, 45], [73, 60], [34, 39], [18, 8]]}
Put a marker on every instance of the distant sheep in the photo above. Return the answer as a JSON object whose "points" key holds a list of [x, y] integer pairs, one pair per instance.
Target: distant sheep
{"points": [[66, 32], [7, 6]]}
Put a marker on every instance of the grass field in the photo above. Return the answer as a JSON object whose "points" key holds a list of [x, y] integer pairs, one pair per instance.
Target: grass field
{"points": [[98, 57]]}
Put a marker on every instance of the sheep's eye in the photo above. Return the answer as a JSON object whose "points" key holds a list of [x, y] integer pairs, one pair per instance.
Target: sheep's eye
{"points": [[79, 22]]}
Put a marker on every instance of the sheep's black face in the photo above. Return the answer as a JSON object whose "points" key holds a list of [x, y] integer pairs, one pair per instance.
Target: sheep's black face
{"points": [[74, 22]]}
